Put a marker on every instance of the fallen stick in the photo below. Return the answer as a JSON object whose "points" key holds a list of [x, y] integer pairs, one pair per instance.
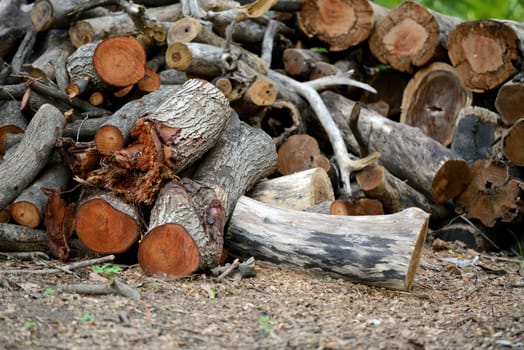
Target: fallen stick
{"points": [[69, 267], [380, 250]]}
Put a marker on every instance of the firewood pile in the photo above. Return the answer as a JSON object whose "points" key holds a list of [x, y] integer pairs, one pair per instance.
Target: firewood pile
{"points": [[315, 134]]}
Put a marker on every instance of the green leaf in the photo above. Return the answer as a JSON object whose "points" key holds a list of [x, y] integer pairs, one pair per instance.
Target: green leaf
{"points": [[87, 317], [319, 49], [29, 324], [49, 291], [107, 269]]}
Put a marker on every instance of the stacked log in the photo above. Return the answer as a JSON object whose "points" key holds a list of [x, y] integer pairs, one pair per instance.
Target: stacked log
{"points": [[167, 119]]}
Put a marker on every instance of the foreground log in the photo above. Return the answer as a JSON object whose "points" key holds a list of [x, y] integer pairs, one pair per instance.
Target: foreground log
{"points": [[432, 101], [484, 53], [21, 167], [394, 141], [189, 216], [106, 224], [381, 250]]}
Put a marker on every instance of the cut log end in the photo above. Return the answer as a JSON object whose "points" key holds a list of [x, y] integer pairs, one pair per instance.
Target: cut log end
{"points": [[150, 82], [120, 61], [25, 214], [109, 139], [104, 229], [178, 56], [169, 249], [450, 180]]}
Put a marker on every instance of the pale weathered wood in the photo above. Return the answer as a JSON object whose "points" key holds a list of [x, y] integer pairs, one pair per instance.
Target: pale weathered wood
{"points": [[381, 250], [20, 168]]}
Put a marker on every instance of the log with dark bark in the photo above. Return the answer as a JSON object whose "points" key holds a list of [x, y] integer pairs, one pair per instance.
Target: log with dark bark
{"points": [[510, 100], [297, 191], [299, 62], [513, 143], [381, 250], [21, 167], [410, 36], [484, 52], [492, 196], [15, 23], [432, 101], [340, 24], [390, 85], [189, 216], [394, 141], [106, 224], [168, 141]]}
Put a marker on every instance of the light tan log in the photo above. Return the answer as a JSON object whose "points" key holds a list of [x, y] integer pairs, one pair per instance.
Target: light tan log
{"points": [[21, 167], [381, 250], [298, 191], [433, 99]]}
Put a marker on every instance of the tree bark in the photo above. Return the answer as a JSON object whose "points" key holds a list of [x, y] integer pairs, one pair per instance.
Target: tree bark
{"points": [[484, 53], [21, 167], [432, 101], [379, 250]]}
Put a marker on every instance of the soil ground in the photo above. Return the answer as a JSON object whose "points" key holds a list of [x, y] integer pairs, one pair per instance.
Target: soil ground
{"points": [[448, 307]]}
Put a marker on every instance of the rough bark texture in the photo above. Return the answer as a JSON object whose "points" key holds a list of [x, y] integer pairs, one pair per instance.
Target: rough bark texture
{"points": [[432, 101], [380, 250], [21, 167]]}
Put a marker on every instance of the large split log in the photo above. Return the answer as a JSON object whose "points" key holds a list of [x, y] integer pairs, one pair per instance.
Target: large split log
{"points": [[394, 141], [189, 216], [433, 99], [410, 36], [168, 141], [341, 24], [381, 250], [21, 167], [484, 52]]}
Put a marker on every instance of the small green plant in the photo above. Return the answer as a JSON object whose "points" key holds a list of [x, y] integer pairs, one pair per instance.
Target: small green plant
{"points": [[319, 49], [212, 292], [266, 324], [107, 269], [155, 285], [87, 317], [49, 291], [29, 324]]}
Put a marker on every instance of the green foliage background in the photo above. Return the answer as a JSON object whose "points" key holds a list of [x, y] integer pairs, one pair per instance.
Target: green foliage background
{"points": [[471, 9]]}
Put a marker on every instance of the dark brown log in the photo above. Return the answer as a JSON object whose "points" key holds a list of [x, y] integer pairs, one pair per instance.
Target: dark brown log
{"points": [[463, 232], [484, 53], [410, 36], [150, 82], [432, 101], [510, 100], [394, 194], [106, 224], [299, 62], [299, 153], [394, 141], [298, 191], [477, 132], [15, 23], [356, 206], [194, 230], [11, 121], [340, 24], [21, 167], [28, 209], [168, 141], [113, 134], [281, 120], [390, 85], [491, 196], [451, 180], [381, 250], [513, 143]]}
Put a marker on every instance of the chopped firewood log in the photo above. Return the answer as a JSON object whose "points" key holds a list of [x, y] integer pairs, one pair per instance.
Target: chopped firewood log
{"points": [[28, 208], [298, 153], [340, 24], [410, 36], [97, 28], [21, 167], [356, 206], [390, 85], [484, 53], [450, 180], [323, 69], [492, 195], [189, 215], [195, 58], [11, 121], [381, 250], [80, 157], [96, 98], [513, 143], [280, 120], [298, 191], [113, 134], [150, 82], [168, 141], [298, 63], [476, 133], [432, 101], [59, 223], [260, 94], [510, 100], [394, 141], [394, 194], [106, 224]]}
